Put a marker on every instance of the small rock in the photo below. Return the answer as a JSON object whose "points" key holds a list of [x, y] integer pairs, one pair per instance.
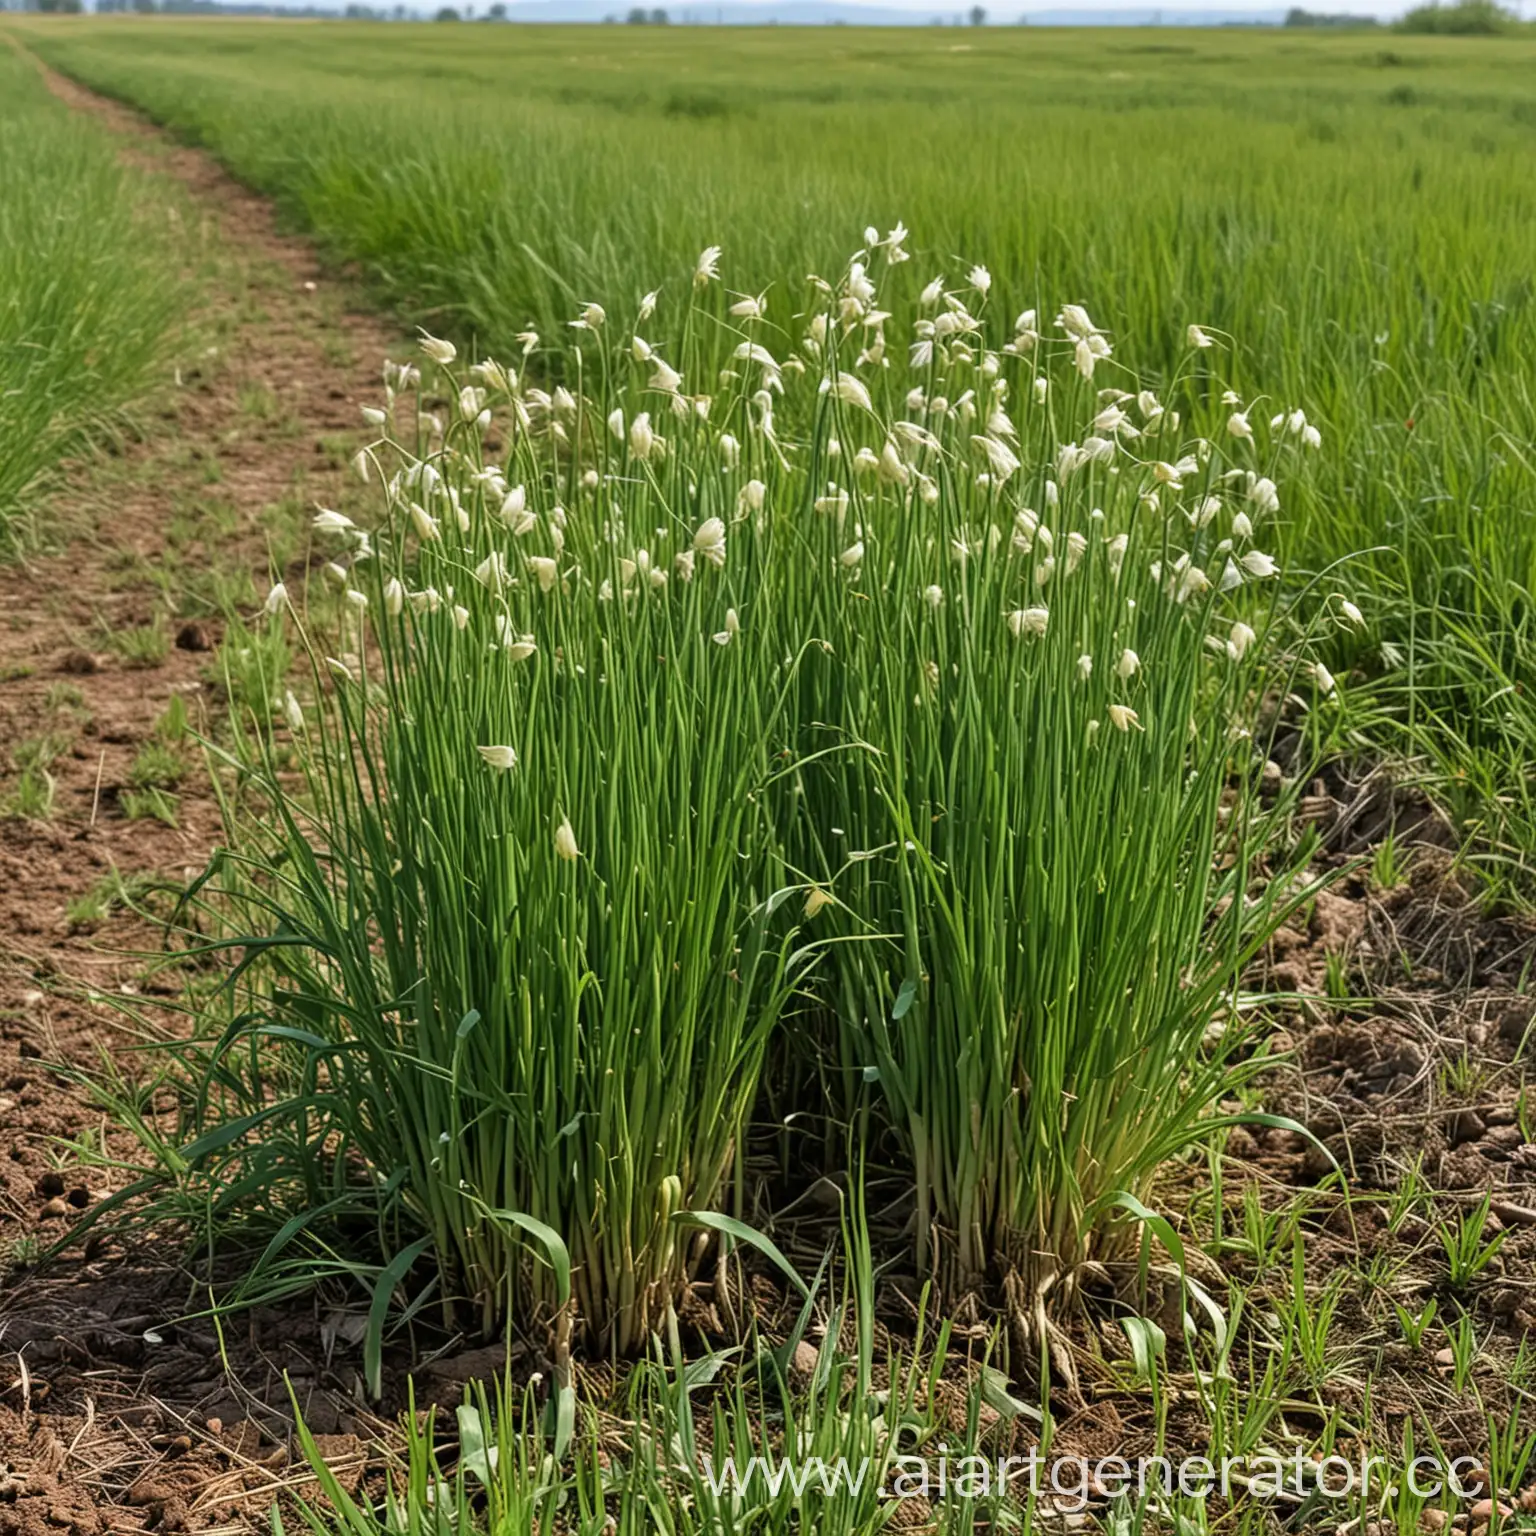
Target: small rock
{"points": [[214, 1426], [55, 1209], [1514, 1026], [193, 636], [1433, 1520], [1466, 1125], [49, 1185], [79, 1197], [804, 1362], [79, 663], [1484, 1508]]}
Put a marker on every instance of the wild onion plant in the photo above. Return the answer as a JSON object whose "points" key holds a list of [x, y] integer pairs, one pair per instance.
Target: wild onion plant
{"points": [[1049, 613], [956, 645]]}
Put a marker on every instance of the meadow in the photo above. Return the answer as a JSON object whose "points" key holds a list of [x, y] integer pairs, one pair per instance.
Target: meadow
{"points": [[84, 310], [818, 756], [1356, 212]]}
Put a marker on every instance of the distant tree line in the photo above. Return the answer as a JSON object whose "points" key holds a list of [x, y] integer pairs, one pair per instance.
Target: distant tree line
{"points": [[1296, 17], [1466, 18]]}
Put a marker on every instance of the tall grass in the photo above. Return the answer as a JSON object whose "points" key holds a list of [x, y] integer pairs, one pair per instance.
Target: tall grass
{"points": [[618, 725], [85, 306], [1360, 216]]}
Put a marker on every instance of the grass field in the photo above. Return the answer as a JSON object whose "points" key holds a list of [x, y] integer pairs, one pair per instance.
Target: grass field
{"points": [[806, 738], [1357, 213], [85, 312]]}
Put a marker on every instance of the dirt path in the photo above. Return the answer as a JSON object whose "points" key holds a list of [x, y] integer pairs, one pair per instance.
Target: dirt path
{"points": [[109, 1420]]}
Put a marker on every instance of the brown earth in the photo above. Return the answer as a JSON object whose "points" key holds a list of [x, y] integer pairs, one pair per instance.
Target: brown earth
{"points": [[117, 1413]]}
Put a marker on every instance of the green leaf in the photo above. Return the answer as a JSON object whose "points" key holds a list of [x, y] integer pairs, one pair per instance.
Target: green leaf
{"points": [[556, 1254], [728, 1225], [905, 997], [378, 1309]]}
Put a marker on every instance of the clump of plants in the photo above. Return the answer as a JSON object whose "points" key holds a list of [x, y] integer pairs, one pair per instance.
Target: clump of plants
{"points": [[771, 657]]}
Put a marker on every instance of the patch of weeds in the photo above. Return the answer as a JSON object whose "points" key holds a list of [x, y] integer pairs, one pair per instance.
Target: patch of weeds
{"points": [[252, 664], [158, 766], [259, 401], [41, 751], [143, 646], [33, 797], [174, 725], [111, 893], [14, 672], [153, 804]]}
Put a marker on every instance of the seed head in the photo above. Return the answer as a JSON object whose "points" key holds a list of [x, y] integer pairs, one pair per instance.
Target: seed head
{"points": [[499, 758]]}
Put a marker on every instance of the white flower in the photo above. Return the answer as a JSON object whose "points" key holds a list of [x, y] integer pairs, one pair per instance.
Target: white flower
{"points": [[1264, 495], [1351, 613], [730, 451], [648, 304], [664, 378], [851, 557], [641, 439], [277, 599], [1237, 426], [933, 596], [1323, 678], [708, 265], [424, 523], [492, 571], [565, 841], [616, 423], [751, 497], [327, 521], [1128, 664], [394, 597], [709, 541], [1241, 637], [1077, 547], [851, 391], [1001, 459], [460, 616], [750, 308], [1195, 337], [1114, 550], [292, 712], [441, 352], [979, 279], [545, 571], [731, 630], [1242, 527], [499, 758], [683, 563], [521, 649], [1074, 320], [591, 318], [1123, 717], [1028, 621], [1259, 565], [374, 416], [1084, 667]]}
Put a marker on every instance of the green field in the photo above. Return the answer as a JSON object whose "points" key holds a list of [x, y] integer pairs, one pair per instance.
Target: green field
{"points": [[795, 705], [1358, 213], [85, 311]]}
